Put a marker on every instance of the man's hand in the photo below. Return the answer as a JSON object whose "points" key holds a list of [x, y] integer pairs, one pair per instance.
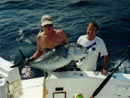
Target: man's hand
{"points": [[104, 72], [27, 60]]}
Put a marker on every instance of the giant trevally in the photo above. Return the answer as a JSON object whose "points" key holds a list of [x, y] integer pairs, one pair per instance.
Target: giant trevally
{"points": [[57, 58]]}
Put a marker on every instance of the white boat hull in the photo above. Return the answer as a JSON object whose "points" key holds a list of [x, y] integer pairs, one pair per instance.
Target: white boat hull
{"points": [[67, 84]]}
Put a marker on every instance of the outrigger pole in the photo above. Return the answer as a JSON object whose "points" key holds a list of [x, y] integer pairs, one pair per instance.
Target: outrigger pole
{"points": [[110, 75]]}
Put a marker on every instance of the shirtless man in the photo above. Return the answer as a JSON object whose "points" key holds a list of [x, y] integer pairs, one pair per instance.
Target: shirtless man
{"points": [[49, 38]]}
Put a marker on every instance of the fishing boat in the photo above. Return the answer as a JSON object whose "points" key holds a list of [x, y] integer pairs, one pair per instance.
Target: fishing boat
{"points": [[67, 84]]}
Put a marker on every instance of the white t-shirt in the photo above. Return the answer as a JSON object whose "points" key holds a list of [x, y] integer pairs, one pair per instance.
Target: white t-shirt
{"points": [[93, 48]]}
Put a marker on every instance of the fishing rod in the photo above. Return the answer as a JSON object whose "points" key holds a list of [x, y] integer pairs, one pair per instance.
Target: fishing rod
{"points": [[110, 75]]}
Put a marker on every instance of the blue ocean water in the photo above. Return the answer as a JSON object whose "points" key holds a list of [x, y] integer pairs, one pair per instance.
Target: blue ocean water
{"points": [[20, 23]]}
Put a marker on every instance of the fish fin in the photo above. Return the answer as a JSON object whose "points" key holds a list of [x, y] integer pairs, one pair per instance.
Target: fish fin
{"points": [[21, 61], [22, 55], [16, 64]]}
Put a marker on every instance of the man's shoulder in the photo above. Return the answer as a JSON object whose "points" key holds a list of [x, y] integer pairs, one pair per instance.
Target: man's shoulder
{"points": [[59, 31], [98, 38], [40, 35], [81, 39], [82, 36]]}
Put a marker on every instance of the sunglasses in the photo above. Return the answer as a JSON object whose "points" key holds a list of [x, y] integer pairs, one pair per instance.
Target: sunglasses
{"points": [[48, 25]]}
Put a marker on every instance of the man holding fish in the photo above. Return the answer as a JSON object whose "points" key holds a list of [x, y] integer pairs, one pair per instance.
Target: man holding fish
{"points": [[50, 38]]}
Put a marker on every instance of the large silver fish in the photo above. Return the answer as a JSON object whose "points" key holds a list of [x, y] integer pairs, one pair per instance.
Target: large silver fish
{"points": [[59, 57]]}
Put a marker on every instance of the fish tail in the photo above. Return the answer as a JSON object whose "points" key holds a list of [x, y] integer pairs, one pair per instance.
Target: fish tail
{"points": [[22, 60]]}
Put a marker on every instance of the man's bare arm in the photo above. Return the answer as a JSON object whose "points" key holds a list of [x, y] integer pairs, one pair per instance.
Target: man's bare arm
{"points": [[39, 51]]}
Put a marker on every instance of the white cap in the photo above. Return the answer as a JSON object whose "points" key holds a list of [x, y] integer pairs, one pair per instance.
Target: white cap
{"points": [[46, 19]]}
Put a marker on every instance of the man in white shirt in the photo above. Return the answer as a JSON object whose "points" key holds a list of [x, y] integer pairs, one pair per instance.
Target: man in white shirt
{"points": [[94, 45]]}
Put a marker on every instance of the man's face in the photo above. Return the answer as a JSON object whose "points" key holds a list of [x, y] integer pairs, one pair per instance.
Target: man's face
{"points": [[91, 30], [48, 27]]}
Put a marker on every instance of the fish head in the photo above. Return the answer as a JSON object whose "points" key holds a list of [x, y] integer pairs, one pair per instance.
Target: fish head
{"points": [[77, 51]]}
